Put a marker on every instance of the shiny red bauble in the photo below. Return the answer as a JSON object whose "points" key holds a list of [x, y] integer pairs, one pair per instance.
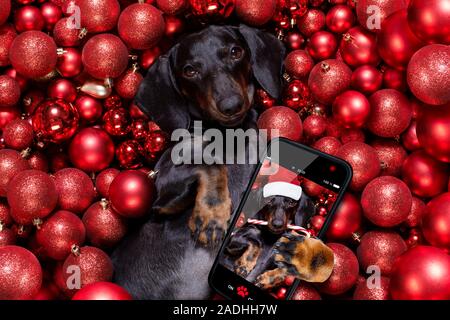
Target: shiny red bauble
{"points": [[117, 122], [7, 115], [281, 122], [351, 109], [131, 193], [346, 220], [216, 10], [256, 12], [427, 74], [104, 180], [409, 138], [421, 274], [33, 54], [89, 108], [148, 57], [62, 89], [65, 35], [51, 14], [372, 13], [105, 56], [11, 163], [28, 18], [381, 249], [391, 155], [340, 18], [367, 79], [298, 63], [9, 91], [386, 201], [154, 145], [20, 273], [328, 145], [424, 175], [394, 79], [18, 134], [98, 15], [32, 195], [55, 120], [102, 291], [436, 221], [364, 291], [128, 83], [7, 35], [59, 233], [294, 40], [359, 47], [91, 150], [313, 21], [139, 129], [6, 9], [322, 45], [296, 95], [418, 209], [69, 63], [129, 154]]}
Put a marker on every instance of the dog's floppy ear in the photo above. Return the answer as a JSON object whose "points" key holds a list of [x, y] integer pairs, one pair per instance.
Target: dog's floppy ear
{"points": [[159, 98], [267, 56]]}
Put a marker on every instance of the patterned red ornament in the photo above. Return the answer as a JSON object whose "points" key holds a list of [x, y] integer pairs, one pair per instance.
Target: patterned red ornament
{"points": [[364, 291], [365, 13], [104, 180], [296, 95], [128, 83], [391, 155], [298, 63], [98, 15], [129, 154], [117, 122], [313, 21], [7, 35], [359, 47], [255, 12], [340, 18], [346, 220], [102, 291], [18, 134], [28, 18], [69, 63], [11, 163], [283, 119], [367, 79], [436, 221], [89, 108], [9, 91], [351, 109]]}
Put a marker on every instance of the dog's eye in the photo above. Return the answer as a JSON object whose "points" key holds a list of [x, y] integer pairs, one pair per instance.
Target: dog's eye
{"points": [[189, 71], [236, 53]]}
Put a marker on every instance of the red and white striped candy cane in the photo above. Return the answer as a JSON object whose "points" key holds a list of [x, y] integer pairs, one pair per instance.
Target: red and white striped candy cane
{"points": [[290, 226]]}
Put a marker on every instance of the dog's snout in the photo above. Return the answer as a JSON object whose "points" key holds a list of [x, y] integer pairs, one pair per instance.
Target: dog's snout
{"points": [[231, 105], [277, 223]]}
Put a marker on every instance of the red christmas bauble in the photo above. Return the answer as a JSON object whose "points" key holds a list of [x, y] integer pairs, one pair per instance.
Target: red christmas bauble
{"points": [[212, 9], [424, 175], [102, 291], [38, 161], [20, 273], [117, 122], [394, 79], [429, 20], [31, 100], [350, 135], [351, 109], [131, 193], [418, 209], [65, 35], [364, 291], [409, 138], [328, 79], [396, 42], [346, 220], [386, 201], [59, 233], [7, 237], [372, 13], [21, 80], [139, 129], [421, 274], [381, 249], [129, 154], [305, 291], [69, 182], [294, 40], [11, 163], [105, 56], [128, 83], [328, 145], [69, 63], [148, 57], [28, 18], [391, 155], [9, 91], [299, 63], [98, 15], [313, 21], [255, 12], [32, 195], [145, 18], [322, 45], [89, 108], [427, 74], [359, 47], [104, 180], [18, 134], [296, 95], [283, 119], [6, 9], [33, 54], [174, 26], [55, 120], [62, 89], [154, 145], [340, 18], [390, 113], [7, 35], [314, 126], [91, 150], [7, 115], [51, 14], [364, 161], [436, 221], [345, 271], [367, 79], [172, 7], [104, 227], [5, 216]]}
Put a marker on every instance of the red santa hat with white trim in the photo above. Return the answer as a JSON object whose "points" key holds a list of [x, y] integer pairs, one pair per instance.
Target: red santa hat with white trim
{"points": [[283, 183]]}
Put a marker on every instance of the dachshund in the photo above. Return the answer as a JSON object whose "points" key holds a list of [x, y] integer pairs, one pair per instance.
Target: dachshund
{"points": [[211, 76]]}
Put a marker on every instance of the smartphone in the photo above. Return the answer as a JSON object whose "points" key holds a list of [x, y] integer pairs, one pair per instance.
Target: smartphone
{"points": [[292, 188]]}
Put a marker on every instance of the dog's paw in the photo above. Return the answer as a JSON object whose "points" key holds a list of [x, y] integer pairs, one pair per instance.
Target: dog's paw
{"points": [[271, 278], [247, 262]]}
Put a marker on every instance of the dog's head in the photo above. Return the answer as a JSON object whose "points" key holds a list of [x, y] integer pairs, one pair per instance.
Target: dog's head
{"points": [[279, 211], [211, 75]]}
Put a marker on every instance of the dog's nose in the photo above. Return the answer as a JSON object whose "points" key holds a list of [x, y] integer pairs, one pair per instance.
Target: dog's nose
{"points": [[277, 224], [231, 105]]}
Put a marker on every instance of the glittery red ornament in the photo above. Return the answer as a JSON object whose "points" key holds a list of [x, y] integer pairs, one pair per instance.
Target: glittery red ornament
{"points": [[424, 175], [313, 21], [128, 83], [255, 12], [369, 291], [102, 291], [421, 274], [105, 56], [18, 134], [9, 91], [367, 79], [33, 54], [129, 154], [117, 122], [351, 109], [148, 57], [283, 119], [20, 273], [55, 120], [394, 79], [89, 108], [386, 201], [172, 7], [21, 80], [346, 220], [32, 195], [69, 63], [340, 18], [104, 180], [51, 14], [299, 63], [427, 74], [131, 194], [364, 161], [418, 209], [409, 138], [104, 227], [351, 135], [59, 233], [7, 115], [154, 145], [296, 95], [328, 145], [7, 237], [371, 19], [345, 271], [38, 161], [358, 47], [28, 18], [391, 155], [7, 35], [11, 163], [314, 126], [396, 42], [98, 15], [65, 35], [5, 216], [436, 221], [62, 89], [306, 291], [145, 18], [328, 79], [68, 183], [6, 8], [381, 249]]}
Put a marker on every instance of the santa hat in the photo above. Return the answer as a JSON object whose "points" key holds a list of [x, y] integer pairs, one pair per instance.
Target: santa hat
{"points": [[281, 188]]}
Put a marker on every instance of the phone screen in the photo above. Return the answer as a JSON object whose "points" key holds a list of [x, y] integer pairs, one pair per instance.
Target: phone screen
{"points": [[295, 190]]}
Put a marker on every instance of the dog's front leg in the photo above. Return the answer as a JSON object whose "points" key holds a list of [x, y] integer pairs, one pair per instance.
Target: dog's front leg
{"points": [[247, 262]]}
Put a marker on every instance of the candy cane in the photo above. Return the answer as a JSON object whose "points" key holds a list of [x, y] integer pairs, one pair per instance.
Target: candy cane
{"points": [[290, 226]]}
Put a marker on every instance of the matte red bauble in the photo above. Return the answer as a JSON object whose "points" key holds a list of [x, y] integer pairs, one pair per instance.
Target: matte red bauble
{"points": [[104, 180], [89, 108], [6, 9], [255, 12], [346, 220], [340, 18], [104, 227], [314, 20], [394, 79], [345, 271], [131, 193], [391, 155], [9, 91], [409, 138], [436, 221], [62, 89], [396, 42], [145, 18], [322, 45], [20, 273], [424, 175], [69, 63], [372, 13], [358, 47], [298, 63], [364, 291], [381, 249], [418, 209], [429, 20], [33, 54], [28, 18], [105, 56], [428, 74], [128, 83], [98, 15], [59, 233], [7, 35], [11, 163], [296, 95], [65, 35], [328, 79], [328, 145], [421, 274], [55, 121], [351, 109], [51, 14], [32, 195], [386, 201], [390, 113], [364, 162], [18, 134], [69, 182], [306, 291], [367, 79], [117, 122], [283, 119], [91, 150], [102, 291]]}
